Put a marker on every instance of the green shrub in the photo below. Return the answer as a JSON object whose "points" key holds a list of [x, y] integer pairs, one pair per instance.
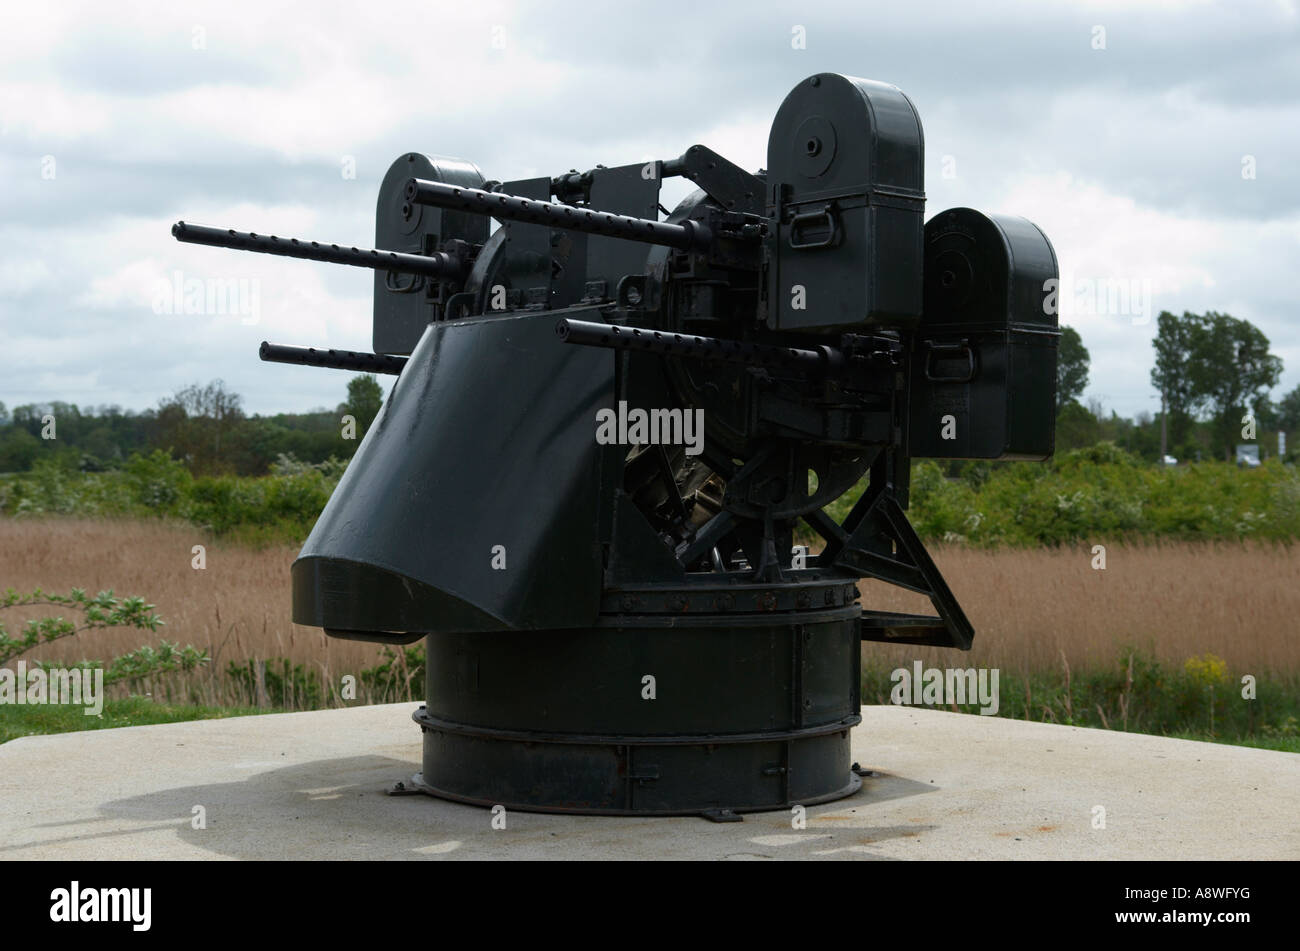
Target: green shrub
{"points": [[157, 481], [1098, 493], [278, 508]]}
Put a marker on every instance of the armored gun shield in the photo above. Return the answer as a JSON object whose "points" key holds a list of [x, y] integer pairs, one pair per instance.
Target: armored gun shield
{"points": [[437, 527]]}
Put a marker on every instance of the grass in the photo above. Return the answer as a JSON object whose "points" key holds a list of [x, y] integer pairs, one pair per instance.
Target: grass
{"points": [[16, 721], [1038, 613], [1172, 601], [237, 606], [1199, 699]]}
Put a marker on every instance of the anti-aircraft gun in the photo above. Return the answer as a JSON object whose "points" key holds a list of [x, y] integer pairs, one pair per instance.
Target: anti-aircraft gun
{"points": [[584, 488]]}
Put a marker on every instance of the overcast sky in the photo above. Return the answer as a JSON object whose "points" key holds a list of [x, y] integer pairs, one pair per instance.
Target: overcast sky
{"points": [[1157, 144]]}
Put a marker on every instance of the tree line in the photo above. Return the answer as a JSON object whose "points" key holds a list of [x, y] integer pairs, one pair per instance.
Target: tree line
{"points": [[1212, 370], [1214, 373], [203, 425]]}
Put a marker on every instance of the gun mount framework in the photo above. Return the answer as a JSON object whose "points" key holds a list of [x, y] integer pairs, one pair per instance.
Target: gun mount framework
{"points": [[619, 625]]}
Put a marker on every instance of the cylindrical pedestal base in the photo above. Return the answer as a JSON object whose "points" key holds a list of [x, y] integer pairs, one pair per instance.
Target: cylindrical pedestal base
{"points": [[646, 715]]}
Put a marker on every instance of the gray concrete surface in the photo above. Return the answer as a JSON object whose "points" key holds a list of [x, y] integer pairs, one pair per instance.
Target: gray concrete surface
{"points": [[310, 786]]}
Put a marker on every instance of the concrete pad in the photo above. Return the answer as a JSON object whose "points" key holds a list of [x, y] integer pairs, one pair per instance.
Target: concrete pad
{"points": [[310, 786]]}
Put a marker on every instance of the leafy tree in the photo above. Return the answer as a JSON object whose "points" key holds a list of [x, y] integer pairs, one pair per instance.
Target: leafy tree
{"points": [[1076, 427], [1231, 372], [1071, 368], [28, 417], [196, 424], [1287, 411], [1171, 375], [365, 398], [18, 449], [1266, 413], [1142, 438]]}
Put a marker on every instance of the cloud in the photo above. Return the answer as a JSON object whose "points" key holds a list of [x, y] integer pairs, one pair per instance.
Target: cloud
{"points": [[1106, 240], [116, 121]]}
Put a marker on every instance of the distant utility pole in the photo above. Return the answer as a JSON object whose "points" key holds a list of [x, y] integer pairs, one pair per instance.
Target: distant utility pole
{"points": [[1164, 430]]}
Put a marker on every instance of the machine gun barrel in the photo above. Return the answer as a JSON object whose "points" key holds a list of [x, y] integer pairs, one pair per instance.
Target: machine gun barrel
{"points": [[333, 359], [687, 236], [439, 264], [820, 362]]}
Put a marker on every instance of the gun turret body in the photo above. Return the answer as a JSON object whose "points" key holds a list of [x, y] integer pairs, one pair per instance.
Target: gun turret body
{"points": [[612, 422]]}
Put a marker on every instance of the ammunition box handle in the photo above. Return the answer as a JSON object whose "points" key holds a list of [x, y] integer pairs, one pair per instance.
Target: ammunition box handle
{"points": [[949, 349], [809, 217], [391, 282]]}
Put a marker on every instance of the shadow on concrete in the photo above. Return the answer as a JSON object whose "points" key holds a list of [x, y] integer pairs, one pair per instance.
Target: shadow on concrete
{"points": [[324, 809], [337, 810]]}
